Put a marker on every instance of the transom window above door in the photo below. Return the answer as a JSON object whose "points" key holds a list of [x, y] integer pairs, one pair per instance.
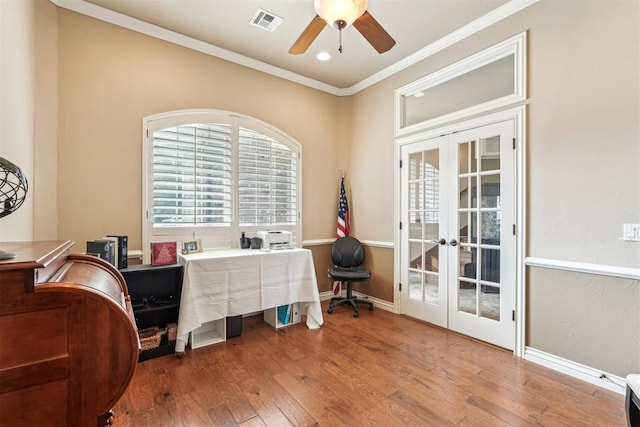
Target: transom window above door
{"points": [[491, 79]]}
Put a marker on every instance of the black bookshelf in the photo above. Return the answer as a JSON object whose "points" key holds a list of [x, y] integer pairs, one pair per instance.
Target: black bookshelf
{"points": [[155, 296]]}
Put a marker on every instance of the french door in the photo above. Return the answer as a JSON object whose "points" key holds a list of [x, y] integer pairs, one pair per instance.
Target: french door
{"points": [[458, 232]]}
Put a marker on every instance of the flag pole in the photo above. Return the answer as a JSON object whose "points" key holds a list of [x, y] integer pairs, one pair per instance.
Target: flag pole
{"points": [[343, 223]]}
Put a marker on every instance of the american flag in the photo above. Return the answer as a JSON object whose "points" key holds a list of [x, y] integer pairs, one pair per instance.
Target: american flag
{"points": [[343, 226], [343, 213]]}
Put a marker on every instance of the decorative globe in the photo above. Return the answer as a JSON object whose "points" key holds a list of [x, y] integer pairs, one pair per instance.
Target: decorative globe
{"points": [[13, 187]]}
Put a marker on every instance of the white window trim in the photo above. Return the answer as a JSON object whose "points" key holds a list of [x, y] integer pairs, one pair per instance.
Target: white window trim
{"points": [[515, 45], [178, 117]]}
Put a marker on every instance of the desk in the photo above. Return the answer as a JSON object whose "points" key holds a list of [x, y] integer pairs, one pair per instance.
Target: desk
{"points": [[231, 282]]}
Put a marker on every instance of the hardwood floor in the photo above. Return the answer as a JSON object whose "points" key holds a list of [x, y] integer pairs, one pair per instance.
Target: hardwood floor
{"points": [[378, 370]]}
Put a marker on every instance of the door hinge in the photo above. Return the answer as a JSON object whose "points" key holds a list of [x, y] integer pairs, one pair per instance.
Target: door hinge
{"points": [[147, 132], [514, 229], [513, 315], [399, 287], [514, 143], [400, 225], [400, 164]]}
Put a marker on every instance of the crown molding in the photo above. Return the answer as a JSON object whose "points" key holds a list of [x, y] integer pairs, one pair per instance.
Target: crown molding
{"points": [[496, 15], [94, 11], [89, 9]]}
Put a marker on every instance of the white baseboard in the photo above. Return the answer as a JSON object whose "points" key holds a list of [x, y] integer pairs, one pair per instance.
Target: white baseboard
{"points": [[585, 373]]}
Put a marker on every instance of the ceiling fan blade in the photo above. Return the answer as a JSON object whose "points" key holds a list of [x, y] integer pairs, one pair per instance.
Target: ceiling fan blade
{"points": [[374, 33], [308, 36]]}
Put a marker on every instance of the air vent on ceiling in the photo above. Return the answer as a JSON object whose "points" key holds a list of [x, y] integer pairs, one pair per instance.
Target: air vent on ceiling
{"points": [[266, 20]]}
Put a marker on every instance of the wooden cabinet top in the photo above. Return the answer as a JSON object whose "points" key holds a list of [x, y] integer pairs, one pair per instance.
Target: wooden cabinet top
{"points": [[30, 255]]}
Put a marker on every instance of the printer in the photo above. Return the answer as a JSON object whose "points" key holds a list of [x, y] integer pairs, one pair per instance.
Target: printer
{"points": [[275, 239]]}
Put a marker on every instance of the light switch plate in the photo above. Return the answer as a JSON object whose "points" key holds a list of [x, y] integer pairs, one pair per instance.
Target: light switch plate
{"points": [[631, 232]]}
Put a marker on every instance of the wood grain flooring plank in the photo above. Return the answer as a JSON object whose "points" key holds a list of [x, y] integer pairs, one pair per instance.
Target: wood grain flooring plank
{"points": [[380, 369]]}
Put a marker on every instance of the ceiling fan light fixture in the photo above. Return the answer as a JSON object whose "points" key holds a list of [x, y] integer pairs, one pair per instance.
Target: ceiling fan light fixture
{"points": [[340, 13]]}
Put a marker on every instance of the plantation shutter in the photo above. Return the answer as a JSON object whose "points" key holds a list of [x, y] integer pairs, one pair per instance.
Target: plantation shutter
{"points": [[267, 181], [192, 176]]}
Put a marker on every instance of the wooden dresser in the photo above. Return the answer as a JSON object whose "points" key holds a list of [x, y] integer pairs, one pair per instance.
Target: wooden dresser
{"points": [[68, 340]]}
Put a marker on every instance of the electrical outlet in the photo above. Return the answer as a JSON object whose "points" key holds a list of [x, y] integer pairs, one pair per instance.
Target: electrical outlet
{"points": [[631, 232]]}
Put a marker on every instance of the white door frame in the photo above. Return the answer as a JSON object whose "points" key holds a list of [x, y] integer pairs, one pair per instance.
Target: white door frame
{"points": [[518, 115]]}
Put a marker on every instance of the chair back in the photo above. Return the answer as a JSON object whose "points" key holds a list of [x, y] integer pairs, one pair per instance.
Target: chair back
{"points": [[347, 252]]}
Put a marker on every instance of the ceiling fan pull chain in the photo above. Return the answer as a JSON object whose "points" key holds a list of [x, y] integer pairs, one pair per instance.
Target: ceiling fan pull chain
{"points": [[340, 39]]}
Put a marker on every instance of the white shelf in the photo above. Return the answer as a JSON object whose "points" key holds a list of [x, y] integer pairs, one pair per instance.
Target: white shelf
{"points": [[271, 316], [209, 333]]}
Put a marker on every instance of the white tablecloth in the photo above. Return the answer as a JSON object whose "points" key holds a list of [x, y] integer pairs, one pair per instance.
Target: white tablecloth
{"points": [[224, 283]]}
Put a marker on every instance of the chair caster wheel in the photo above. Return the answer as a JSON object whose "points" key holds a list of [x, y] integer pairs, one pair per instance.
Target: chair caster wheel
{"points": [[356, 314], [330, 310]]}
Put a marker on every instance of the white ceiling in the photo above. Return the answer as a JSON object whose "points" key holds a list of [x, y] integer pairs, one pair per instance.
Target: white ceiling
{"points": [[222, 28]]}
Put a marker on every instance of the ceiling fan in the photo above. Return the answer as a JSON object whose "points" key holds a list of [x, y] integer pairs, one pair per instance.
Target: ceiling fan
{"points": [[340, 14]]}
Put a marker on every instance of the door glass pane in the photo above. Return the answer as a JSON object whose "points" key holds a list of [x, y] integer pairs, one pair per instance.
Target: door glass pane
{"points": [[431, 256], [473, 160], [467, 298], [491, 228], [467, 262], [464, 191], [490, 302], [415, 225], [415, 195], [473, 190], [463, 158], [467, 259], [415, 285], [473, 227], [431, 226], [431, 194], [415, 255], [490, 191], [490, 153], [490, 268], [431, 163], [431, 287], [415, 166], [464, 221]]}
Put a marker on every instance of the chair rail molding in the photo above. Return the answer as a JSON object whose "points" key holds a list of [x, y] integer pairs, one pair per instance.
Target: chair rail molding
{"points": [[371, 243], [583, 267]]}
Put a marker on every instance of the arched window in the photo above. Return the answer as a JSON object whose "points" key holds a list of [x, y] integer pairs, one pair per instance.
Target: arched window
{"points": [[212, 174]]}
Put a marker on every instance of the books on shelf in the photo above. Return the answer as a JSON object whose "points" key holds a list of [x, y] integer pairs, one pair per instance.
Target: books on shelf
{"points": [[115, 249], [102, 248], [123, 250], [112, 248], [163, 253]]}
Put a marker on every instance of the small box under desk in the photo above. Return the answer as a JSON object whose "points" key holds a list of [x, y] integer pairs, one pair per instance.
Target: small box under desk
{"points": [[209, 333], [278, 320]]}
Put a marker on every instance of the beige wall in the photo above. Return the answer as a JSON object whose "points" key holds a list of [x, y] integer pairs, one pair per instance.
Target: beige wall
{"points": [[585, 318], [110, 78], [17, 69], [583, 178], [28, 113]]}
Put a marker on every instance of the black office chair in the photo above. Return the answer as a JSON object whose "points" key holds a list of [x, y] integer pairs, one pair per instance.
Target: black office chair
{"points": [[347, 254]]}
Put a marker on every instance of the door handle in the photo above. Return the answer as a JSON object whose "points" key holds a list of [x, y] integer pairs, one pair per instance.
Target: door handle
{"points": [[441, 241], [453, 242]]}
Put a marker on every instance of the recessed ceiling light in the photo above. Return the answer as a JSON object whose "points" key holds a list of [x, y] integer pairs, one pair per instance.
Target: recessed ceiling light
{"points": [[323, 56], [418, 94]]}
